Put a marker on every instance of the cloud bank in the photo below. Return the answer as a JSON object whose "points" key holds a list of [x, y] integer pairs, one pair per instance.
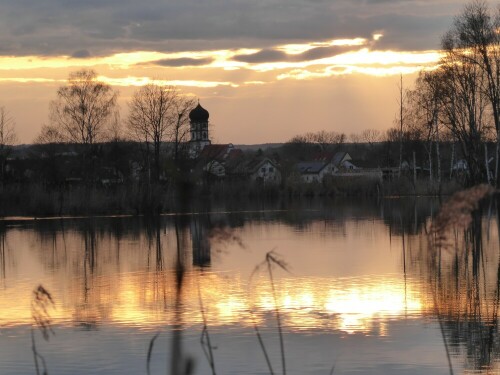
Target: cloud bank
{"points": [[104, 27]]}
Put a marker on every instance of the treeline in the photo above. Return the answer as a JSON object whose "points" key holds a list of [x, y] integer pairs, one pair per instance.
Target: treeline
{"points": [[459, 100], [118, 176], [455, 104]]}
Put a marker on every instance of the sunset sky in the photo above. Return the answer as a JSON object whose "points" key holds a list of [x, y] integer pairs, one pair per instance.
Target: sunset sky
{"points": [[265, 69]]}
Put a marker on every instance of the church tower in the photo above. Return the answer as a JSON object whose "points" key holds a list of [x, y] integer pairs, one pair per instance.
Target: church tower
{"points": [[198, 119]]}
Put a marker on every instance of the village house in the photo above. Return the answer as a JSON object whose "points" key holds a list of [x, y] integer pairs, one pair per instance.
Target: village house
{"points": [[324, 164], [341, 165], [314, 171], [340, 160], [213, 158], [260, 170]]}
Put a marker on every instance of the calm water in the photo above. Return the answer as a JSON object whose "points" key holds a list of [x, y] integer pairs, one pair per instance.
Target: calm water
{"points": [[363, 293]]}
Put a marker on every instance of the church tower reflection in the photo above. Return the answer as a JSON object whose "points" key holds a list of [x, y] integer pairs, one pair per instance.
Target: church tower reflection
{"points": [[200, 225]]}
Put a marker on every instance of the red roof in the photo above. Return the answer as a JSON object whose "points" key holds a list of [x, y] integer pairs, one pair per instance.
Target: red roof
{"points": [[215, 152]]}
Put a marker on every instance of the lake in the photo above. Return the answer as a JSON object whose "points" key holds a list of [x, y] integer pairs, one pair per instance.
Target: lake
{"points": [[320, 287]]}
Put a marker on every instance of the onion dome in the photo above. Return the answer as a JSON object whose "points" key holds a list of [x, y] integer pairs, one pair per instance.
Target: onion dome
{"points": [[199, 114]]}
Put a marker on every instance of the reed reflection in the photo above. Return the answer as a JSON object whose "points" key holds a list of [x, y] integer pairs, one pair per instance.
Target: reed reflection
{"points": [[2, 252], [463, 283]]}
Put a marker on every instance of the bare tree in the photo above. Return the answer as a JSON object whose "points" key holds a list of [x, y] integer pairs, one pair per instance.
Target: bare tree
{"points": [[326, 140], [371, 136], [156, 114], [425, 101], [83, 108], [401, 118], [355, 138], [114, 132], [180, 128], [49, 134], [7, 138], [464, 107], [474, 38], [392, 135]]}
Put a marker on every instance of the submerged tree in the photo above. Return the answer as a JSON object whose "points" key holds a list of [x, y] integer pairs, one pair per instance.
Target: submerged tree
{"points": [[157, 114]]}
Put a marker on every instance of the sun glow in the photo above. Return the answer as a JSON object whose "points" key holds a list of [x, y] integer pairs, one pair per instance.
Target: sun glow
{"points": [[190, 68], [295, 49], [139, 299], [142, 81]]}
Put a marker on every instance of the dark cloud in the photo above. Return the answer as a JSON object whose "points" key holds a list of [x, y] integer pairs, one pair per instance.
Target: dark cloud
{"points": [[322, 52], [105, 26], [266, 55], [81, 54], [270, 55], [183, 61]]}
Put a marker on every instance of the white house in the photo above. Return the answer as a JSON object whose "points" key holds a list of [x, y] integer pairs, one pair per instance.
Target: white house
{"points": [[263, 170], [314, 171], [215, 168]]}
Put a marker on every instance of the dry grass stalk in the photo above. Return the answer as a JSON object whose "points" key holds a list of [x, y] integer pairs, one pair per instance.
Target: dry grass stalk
{"points": [[42, 300], [273, 259], [205, 337], [150, 352], [457, 213]]}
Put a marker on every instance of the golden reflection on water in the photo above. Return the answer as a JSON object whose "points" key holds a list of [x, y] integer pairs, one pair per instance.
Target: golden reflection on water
{"points": [[350, 277], [99, 277], [147, 300]]}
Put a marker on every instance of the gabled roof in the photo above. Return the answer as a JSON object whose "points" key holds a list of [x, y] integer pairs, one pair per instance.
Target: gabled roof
{"points": [[216, 152], [251, 166], [339, 157], [311, 167], [324, 156], [234, 153], [336, 158]]}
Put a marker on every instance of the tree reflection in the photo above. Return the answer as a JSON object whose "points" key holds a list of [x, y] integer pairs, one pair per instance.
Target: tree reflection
{"points": [[2, 251], [200, 226], [463, 281]]}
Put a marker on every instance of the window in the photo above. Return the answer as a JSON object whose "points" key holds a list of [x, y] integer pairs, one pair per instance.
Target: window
{"points": [[263, 169], [271, 169]]}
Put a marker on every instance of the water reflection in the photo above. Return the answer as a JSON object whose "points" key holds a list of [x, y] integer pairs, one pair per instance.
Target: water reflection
{"points": [[99, 265], [357, 270], [463, 280], [2, 252], [200, 227]]}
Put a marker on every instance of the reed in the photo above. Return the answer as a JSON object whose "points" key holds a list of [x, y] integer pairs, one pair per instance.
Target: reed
{"points": [[205, 337], [150, 352], [40, 304], [273, 259]]}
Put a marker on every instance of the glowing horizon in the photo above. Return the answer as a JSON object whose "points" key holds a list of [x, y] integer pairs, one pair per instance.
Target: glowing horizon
{"points": [[240, 73]]}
